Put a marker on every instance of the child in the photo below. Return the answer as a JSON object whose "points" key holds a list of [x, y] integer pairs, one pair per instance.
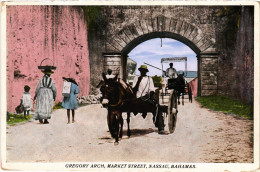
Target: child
{"points": [[26, 100], [70, 103]]}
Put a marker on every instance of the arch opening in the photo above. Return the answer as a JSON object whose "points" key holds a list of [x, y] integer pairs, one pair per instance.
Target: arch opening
{"points": [[153, 50], [129, 47]]}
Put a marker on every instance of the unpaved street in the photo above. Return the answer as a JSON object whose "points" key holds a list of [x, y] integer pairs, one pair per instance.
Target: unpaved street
{"points": [[201, 135]]}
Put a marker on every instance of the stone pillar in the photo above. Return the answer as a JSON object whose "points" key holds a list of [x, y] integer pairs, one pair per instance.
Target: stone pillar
{"points": [[113, 61], [208, 74], [199, 77]]}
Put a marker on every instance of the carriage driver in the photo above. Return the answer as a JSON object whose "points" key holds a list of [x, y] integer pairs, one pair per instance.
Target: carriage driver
{"points": [[171, 72], [144, 87]]}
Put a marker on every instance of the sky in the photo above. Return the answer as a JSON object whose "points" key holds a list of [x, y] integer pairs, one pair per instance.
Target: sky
{"points": [[151, 52]]}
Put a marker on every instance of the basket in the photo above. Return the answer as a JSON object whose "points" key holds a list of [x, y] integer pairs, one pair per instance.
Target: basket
{"points": [[46, 67]]}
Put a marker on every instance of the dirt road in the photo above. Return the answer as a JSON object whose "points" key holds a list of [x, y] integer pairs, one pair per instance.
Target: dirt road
{"points": [[201, 135]]}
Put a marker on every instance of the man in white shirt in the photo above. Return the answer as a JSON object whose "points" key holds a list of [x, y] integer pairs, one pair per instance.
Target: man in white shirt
{"points": [[144, 83], [144, 89], [109, 75], [171, 72]]}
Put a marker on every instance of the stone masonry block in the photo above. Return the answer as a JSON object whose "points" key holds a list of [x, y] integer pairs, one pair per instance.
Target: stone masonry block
{"points": [[178, 26], [202, 41], [133, 30], [208, 92], [154, 25], [110, 47], [209, 68], [161, 23], [210, 78], [208, 82], [143, 25], [167, 24], [123, 36], [209, 87], [184, 28], [193, 34], [120, 41], [149, 25], [173, 24], [209, 73], [189, 30], [205, 46], [128, 33], [138, 28]]}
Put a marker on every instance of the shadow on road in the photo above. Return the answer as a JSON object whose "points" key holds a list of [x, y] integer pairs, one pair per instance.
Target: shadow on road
{"points": [[139, 132], [134, 133]]}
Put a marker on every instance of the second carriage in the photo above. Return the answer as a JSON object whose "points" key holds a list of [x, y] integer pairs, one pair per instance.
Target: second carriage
{"points": [[170, 91]]}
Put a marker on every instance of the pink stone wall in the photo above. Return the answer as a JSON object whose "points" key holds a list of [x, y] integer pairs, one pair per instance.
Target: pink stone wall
{"points": [[194, 87], [38, 32]]}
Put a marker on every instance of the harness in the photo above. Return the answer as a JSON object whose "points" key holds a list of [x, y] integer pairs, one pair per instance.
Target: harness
{"points": [[148, 94]]}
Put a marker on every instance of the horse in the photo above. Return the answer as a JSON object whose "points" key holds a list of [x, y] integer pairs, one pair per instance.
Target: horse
{"points": [[178, 84], [119, 97], [180, 87]]}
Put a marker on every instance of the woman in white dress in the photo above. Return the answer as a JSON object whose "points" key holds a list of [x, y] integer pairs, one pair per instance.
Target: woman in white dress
{"points": [[45, 94]]}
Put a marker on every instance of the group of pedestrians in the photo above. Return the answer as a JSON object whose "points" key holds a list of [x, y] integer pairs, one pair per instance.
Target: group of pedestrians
{"points": [[45, 95]]}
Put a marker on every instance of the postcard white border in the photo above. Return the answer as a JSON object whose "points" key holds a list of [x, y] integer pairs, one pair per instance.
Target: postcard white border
{"points": [[200, 166]]}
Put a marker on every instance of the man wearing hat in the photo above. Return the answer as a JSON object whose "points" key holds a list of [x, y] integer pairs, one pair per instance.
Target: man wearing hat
{"points": [[45, 95], [144, 87], [109, 74]]}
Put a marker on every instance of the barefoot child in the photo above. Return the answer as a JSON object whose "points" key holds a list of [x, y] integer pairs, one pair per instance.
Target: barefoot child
{"points": [[70, 103], [26, 101]]}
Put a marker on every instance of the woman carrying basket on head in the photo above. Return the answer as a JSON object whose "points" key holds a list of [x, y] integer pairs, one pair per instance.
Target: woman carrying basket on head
{"points": [[45, 94]]}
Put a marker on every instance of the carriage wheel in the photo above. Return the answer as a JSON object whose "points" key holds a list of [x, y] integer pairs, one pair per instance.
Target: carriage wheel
{"points": [[172, 111]]}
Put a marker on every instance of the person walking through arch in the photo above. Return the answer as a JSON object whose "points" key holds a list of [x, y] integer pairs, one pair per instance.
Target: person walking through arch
{"points": [[144, 90], [70, 103], [45, 95]]}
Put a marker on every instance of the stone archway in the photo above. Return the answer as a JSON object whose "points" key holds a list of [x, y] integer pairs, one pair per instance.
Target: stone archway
{"points": [[131, 35]]}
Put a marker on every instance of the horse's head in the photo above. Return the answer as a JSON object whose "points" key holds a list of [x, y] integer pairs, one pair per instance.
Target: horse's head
{"points": [[109, 90]]}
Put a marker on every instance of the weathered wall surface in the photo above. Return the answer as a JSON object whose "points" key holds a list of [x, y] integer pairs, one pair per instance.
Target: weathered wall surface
{"points": [[38, 32], [201, 27], [236, 61], [117, 27]]}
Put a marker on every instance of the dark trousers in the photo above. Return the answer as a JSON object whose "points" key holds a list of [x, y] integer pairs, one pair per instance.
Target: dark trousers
{"points": [[26, 113], [158, 116]]}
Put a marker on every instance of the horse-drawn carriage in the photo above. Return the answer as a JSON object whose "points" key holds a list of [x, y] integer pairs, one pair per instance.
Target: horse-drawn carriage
{"points": [[122, 99]]}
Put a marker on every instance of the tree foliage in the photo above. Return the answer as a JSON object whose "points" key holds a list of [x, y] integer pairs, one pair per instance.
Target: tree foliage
{"points": [[232, 14]]}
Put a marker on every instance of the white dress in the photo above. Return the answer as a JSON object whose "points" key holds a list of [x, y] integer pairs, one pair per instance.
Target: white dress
{"points": [[26, 99], [45, 93], [146, 86]]}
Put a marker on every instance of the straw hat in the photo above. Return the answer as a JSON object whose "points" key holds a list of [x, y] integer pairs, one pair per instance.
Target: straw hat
{"points": [[143, 67]]}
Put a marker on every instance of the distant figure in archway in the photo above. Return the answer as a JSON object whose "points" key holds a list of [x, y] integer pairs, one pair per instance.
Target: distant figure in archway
{"points": [[171, 72], [109, 74]]}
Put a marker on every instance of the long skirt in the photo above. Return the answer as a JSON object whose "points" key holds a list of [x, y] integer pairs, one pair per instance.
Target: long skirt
{"points": [[44, 104]]}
